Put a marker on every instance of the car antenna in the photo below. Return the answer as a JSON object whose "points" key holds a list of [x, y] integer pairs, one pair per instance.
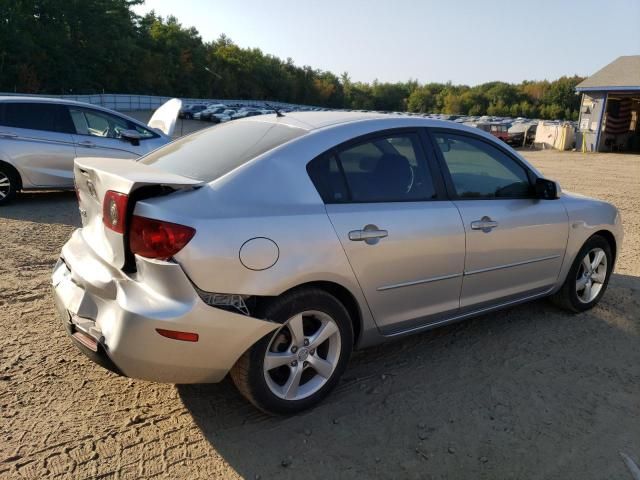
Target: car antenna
{"points": [[277, 110]]}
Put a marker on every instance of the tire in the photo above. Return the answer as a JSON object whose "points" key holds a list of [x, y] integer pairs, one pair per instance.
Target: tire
{"points": [[571, 296], [274, 390], [9, 184]]}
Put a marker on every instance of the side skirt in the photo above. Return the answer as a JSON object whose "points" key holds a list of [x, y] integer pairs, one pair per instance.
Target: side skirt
{"points": [[457, 316]]}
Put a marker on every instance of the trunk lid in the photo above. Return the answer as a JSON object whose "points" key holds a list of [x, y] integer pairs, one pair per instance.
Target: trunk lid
{"points": [[164, 118], [94, 177]]}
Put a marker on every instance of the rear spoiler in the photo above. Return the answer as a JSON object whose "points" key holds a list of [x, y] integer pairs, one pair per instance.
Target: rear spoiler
{"points": [[126, 175]]}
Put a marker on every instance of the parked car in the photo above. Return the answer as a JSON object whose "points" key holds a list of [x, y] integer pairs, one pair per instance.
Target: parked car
{"points": [[189, 110], [209, 112], [500, 130], [225, 115], [41, 137], [245, 113], [271, 247], [522, 134]]}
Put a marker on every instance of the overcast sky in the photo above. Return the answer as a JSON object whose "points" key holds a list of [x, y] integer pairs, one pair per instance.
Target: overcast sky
{"points": [[463, 41]]}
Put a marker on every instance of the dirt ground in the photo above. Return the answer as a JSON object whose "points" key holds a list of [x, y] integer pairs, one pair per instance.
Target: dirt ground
{"points": [[529, 392]]}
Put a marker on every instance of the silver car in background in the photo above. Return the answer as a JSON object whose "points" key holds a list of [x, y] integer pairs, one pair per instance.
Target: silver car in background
{"points": [[41, 137], [271, 247]]}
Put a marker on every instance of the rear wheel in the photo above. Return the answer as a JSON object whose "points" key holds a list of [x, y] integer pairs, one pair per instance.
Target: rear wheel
{"points": [[588, 277], [295, 367], [9, 185]]}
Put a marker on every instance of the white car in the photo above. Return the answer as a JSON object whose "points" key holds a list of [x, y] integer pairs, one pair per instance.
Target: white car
{"points": [[41, 137], [225, 116]]}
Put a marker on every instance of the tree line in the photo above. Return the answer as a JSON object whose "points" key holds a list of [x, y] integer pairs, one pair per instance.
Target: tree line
{"points": [[95, 46]]}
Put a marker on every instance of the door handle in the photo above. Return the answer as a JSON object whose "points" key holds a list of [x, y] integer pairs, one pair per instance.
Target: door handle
{"points": [[485, 224], [87, 143], [369, 234], [8, 135]]}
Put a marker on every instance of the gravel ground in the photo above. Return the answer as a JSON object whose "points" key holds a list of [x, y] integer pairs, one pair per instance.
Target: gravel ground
{"points": [[529, 392]]}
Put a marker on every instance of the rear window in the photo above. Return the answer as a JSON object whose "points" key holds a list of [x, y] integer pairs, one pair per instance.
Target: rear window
{"points": [[213, 152]]}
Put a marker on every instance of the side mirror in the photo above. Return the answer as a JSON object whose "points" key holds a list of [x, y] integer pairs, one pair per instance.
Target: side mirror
{"points": [[547, 189], [132, 136]]}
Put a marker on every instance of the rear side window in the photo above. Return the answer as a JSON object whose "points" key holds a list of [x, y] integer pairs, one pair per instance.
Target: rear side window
{"points": [[326, 174], [36, 116], [213, 152], [383, 169], [479, 170]]}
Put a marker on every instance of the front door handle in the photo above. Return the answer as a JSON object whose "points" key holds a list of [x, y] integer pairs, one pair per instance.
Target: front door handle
{"points": [[87, 143], [485, 224], [369, 234], [8, 135]]}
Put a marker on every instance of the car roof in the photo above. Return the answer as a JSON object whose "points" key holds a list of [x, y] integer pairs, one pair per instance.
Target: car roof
{"points": [[325, 121], [313, 120], [25, 98]]}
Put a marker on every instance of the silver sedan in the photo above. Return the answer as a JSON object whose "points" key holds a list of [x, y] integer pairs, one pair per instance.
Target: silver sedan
{"points": [[272, 247]]}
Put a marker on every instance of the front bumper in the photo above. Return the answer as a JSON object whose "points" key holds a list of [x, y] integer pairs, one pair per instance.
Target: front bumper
{"points": [[121, 313]]}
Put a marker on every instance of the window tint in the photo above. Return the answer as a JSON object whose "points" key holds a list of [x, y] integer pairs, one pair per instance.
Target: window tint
{"points": [[326, 176], [36, 116], [479, 170], [101, 124], [213, 152], [384, 169]]}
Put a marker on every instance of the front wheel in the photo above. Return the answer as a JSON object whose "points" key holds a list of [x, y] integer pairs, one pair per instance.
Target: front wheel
{"points": [[588, 277], [295, 367]]}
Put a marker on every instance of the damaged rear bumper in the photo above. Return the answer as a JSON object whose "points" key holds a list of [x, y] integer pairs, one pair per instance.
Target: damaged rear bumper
{"points": [[114, 319]]}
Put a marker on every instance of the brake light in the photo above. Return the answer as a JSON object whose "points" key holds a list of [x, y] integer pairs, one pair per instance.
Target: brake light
{"points": [[114, 211], [157, 239]]}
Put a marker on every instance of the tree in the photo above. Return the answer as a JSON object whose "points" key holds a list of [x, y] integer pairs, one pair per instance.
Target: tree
{"points": [[91, 46]]}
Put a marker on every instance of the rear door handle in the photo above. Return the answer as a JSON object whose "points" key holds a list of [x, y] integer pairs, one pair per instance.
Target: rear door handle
{"points": [[485, 224], [369, 234], [87, 143], [8, 135]]}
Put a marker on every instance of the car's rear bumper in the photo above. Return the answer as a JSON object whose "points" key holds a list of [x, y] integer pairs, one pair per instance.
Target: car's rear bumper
{"points": [[113, 318]]}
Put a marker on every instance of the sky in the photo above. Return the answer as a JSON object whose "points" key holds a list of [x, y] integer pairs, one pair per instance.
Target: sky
{"points": [[462, 41]]}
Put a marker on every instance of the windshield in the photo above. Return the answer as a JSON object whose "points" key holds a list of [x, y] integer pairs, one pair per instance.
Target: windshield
{"points": [[213, 152]]}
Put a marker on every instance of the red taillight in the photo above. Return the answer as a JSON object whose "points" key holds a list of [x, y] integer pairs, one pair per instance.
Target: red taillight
{"points": [[175, 335], [114, 211], [157, 239]]}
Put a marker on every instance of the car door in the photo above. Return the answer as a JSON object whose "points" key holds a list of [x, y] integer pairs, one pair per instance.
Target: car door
{"points": [[36, 137], [515, 241], [97, 134], [403, 239]]}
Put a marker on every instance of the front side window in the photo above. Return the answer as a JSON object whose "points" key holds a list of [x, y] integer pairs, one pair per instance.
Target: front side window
{"points": [[100, 124], [384, 169], [35, 116], [479, 170]]}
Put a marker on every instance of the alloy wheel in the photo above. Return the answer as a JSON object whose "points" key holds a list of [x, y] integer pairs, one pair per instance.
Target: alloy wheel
{"points": [[302, 355], [5, 185], [591, 275]]}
